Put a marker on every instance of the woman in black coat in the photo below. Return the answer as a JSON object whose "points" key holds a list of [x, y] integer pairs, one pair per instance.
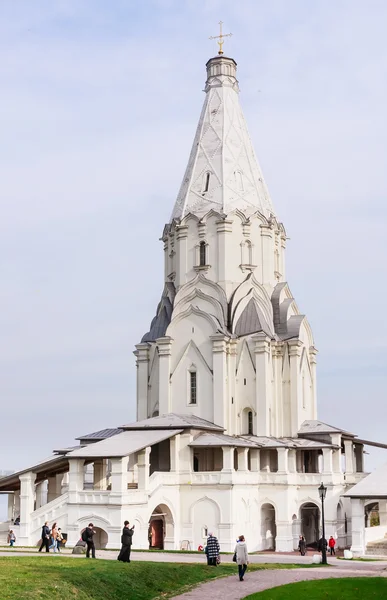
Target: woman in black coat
{"points": [[126, 541]]}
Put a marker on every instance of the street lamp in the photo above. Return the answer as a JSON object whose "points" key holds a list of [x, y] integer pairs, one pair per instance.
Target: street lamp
{"points": [[322, 491]]}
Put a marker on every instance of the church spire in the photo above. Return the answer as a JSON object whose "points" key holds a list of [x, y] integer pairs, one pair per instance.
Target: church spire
{"points": [[223, 173]]}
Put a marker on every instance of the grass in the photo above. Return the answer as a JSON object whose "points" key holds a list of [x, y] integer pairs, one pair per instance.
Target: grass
{"points": [[355, 588], [56, 577]]}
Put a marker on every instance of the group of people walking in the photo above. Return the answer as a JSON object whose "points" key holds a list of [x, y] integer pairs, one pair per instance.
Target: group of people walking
{"points": [[322, 543], [241, 557], [52, 538]]}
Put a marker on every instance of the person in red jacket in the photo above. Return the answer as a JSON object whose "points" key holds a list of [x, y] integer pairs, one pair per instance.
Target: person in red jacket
{"points": [[332, 544]]}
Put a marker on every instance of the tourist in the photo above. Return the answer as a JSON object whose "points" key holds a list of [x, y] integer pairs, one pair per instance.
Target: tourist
{"points": [[87, 536], [17, 521], [241, 556], [59, 539], [126, 541], [302, 545], [332, 544], [11, 538], [213, 550], [54, 535], [45, 538]]}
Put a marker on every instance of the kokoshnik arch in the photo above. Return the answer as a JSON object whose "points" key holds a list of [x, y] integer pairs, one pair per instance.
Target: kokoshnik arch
{"points": [[227, 437]]}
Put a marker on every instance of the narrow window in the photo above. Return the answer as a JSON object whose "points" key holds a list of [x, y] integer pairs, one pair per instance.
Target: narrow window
{"points": [[206, 182], [250, 422], [244, 382], [249, 253], [202, 253], [193, 388]]}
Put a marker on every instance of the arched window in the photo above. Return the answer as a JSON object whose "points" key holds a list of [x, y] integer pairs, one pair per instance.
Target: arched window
{"points": [[202, 254], [249, 253], [250, 422], [192, 387], [206, 182]]}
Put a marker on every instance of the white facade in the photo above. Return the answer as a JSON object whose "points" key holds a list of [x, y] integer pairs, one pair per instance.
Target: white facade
{"points": [[229, 364]]}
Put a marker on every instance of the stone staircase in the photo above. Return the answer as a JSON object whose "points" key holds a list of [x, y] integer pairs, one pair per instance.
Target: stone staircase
{"points": [[377, 548]]}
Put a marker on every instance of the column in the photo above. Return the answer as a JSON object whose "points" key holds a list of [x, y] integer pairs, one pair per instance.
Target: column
{"points": [[242, 459], [383, 513], [175, 453], [142, 366], [185, 456], [164, 345], [76, 476], [54, 487], [295, 348], [357, 510], [27, 501], [267, 255], [359, 458], [292, 458], [219, 396], [40, 494], [99, 482], [255, 459], [182, 254], [17, 503], [11, 504], [143, 465], [228, 459], [263, 382], [327, 461], [349, 457], [119, 475], [284, 537], [283, 460]]}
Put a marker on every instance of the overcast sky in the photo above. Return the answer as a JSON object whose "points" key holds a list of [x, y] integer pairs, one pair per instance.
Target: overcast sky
{"points": [[98, 108]]}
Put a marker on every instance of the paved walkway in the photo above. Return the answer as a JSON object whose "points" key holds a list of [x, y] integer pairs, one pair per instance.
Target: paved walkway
{"points": [[257, 581]]}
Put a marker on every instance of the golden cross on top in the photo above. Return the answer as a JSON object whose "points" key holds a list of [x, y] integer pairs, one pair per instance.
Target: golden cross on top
{"points": [[220, 37]]}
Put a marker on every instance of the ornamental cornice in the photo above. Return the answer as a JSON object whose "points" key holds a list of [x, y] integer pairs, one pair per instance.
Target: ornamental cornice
{"points": [[295, 347], [164, 345], [182, 231], [224, 226], [262, 343], [219, 342]]}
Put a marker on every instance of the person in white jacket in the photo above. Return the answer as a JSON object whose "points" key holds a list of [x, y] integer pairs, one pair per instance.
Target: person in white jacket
{"points": [[242, 558]]}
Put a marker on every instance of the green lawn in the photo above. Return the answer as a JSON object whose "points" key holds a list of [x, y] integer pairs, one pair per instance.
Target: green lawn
{"points": [[56, 577], [358, 588]]}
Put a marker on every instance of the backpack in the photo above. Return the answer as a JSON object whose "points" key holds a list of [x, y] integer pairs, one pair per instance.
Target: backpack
{"points": [[84, 536]]}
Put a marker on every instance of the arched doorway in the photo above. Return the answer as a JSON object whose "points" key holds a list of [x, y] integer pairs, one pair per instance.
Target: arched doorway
{"points": [[100, 538], [310, 523], [268, 527], [161, 528]]}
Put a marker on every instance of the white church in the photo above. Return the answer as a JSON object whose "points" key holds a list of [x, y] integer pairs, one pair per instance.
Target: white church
{"points": [[227, 436]]}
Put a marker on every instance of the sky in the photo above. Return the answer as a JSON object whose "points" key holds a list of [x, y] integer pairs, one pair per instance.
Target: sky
{"points": [[98, 108]]}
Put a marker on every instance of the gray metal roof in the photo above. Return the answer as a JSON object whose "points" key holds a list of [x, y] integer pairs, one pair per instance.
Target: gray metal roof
{"points": [[252, 321], [219, 439], [173, 420], [266, 442], [373, 485], [47, 465], [100, 435], [312, 426], [123, 444]]}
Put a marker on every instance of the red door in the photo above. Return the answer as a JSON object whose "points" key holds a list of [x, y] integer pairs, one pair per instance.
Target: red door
{"points": [[157, 533]]}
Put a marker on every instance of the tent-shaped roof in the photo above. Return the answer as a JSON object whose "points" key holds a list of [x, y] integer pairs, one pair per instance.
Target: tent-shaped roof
{"points": [[372, 486], [97, 436]]}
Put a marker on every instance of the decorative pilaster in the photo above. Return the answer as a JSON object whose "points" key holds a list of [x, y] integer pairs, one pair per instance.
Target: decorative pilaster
{"points": [[295, 348], [142, 365], [232, 400], [219, 396], [182, 255], [263, 382], [225, 249], [313, 363], [277, 354], [267, 255], [164, 345]]}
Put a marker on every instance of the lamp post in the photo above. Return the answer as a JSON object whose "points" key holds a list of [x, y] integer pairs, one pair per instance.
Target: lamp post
{"points": [[322, 491]]}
